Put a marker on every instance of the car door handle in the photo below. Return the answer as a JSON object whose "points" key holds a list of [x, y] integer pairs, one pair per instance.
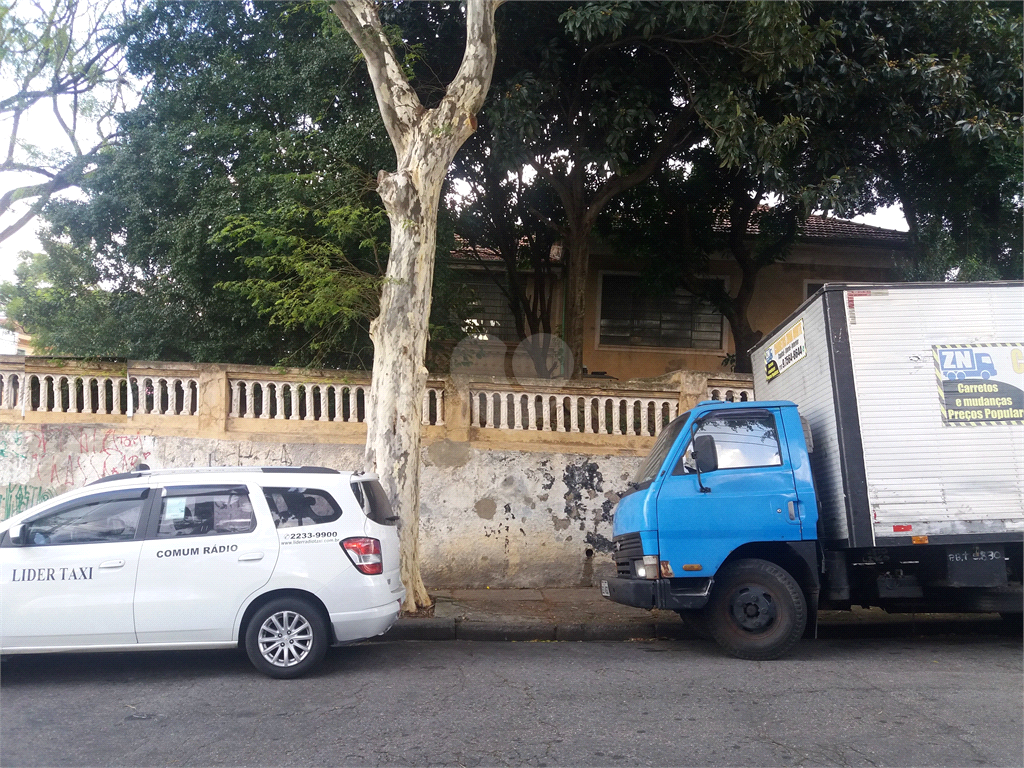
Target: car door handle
{"points": [[792, 510], [250, 556], [112, 564]]}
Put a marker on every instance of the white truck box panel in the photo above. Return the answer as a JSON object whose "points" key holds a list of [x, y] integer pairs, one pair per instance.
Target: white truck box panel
{"points": [[923, 476], [939, 479]]}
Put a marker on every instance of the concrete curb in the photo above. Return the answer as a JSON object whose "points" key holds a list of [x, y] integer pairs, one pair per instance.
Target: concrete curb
{"points": [[459, 628], [433, 629]]}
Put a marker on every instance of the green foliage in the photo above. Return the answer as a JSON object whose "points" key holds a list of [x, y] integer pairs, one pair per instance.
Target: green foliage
{"points": [[234, 220], [920, 104], [302, 278]]}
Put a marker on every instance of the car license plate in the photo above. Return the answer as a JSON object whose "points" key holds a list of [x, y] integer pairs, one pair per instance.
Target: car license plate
{"points": [[604, 588]]}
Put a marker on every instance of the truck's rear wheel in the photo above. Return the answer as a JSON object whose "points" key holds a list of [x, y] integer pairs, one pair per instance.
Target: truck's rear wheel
{"points": [[757, 610]]}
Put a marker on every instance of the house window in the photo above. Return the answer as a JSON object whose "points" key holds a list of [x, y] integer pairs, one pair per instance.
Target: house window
{"points": [[811, 288], [489, 313], [632, 317]]}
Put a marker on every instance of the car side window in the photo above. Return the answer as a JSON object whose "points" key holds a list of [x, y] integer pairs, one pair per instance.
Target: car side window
{"points": [[743, 439], [100, 519], [204, 511], [293, 507]]}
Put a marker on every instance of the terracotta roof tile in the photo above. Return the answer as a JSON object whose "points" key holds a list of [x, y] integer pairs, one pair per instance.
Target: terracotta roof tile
{"points": [[815, 228], [820, 227]]}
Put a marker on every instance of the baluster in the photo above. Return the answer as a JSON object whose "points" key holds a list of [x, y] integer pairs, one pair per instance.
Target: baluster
{"points": [[248, 393], [279, 408], [491, 409], [340, 397], [115, 397]]}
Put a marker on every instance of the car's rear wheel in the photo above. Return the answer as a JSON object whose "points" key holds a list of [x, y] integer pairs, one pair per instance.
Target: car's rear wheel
{"points": [[286, 638]]}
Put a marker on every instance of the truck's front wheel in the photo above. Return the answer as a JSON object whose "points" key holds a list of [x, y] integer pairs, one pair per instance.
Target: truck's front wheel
{"points": [[757, 610]]}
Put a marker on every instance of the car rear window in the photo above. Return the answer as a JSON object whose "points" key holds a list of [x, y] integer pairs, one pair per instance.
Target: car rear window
{"points": [[294, 507], [371, 497]]}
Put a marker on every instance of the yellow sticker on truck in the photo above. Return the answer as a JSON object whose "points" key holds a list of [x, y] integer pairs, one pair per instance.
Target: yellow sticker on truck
{"points": [[785, 351]]}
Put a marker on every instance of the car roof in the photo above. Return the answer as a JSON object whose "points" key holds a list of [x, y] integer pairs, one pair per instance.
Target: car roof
{"points": [[143, 471]]}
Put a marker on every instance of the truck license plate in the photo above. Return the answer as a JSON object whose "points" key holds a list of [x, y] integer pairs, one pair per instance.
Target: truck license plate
{"points": [[604, 588]]}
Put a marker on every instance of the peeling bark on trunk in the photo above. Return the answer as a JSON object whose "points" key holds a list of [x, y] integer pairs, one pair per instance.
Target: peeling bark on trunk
{"points": [[425, 142]]}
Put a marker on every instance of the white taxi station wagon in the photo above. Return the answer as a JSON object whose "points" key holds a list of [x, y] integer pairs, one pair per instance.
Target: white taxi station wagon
{"points": [[283, 561]]}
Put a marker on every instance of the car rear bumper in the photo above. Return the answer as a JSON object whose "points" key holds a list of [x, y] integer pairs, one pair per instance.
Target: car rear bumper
{"points": [[351, 626]]}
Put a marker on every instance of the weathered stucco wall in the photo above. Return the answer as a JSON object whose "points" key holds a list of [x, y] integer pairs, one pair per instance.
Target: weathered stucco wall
{"points": [[488, 517]]}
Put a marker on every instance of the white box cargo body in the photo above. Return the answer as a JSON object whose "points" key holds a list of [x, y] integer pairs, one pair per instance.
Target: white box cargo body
{"points": [[914, 394]]}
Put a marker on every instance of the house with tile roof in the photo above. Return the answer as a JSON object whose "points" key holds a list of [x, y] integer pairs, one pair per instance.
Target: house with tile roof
{"points": [[13, 339], [630, 336]]}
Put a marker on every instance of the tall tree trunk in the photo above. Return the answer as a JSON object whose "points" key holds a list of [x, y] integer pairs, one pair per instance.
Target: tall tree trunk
{"points": [[425, 142], [576, 271]]}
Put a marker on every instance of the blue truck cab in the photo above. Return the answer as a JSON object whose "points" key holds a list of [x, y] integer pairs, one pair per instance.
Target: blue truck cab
{"points": [[720, 524]]}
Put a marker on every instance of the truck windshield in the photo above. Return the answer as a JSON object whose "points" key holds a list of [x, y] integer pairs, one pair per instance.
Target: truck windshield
{"points": [[649, 469]]}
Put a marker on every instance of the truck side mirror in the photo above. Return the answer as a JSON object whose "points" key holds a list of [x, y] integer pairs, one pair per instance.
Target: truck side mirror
{"points": [[17, 534], [705, 453]]}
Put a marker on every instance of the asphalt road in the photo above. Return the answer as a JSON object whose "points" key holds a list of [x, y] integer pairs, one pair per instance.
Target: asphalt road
{"points": [[946, 700]]}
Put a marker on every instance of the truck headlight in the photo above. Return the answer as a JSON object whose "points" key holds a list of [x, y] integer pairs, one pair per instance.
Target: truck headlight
{"points": [[646, 568]]}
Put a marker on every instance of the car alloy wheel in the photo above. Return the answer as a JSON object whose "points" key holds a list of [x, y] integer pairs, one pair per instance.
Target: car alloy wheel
{"points": [[285, 638]]}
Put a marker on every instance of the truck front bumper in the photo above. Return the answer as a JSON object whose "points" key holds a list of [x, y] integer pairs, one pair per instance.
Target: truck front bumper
{"points": [[667, 594]]}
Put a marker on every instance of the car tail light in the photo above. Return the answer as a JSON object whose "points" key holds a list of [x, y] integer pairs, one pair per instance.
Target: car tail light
{"points": [[364, 553]]}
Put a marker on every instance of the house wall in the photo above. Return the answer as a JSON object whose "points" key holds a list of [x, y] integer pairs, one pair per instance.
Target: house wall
{"points": [[780, 290]]}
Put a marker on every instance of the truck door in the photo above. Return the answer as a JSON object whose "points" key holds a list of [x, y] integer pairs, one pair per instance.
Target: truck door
{"points": [[748, 497]]}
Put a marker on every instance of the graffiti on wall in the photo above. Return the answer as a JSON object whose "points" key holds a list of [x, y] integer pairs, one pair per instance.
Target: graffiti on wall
{"points": [[15, 497], [37, 464]]}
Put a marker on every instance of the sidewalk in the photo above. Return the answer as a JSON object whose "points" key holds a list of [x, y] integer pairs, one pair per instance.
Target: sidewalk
{"points": [[527, 615], [535, 615]]}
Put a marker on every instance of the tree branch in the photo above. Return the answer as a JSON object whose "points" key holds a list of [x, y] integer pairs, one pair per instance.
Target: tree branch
{"points": [[399, 105]]}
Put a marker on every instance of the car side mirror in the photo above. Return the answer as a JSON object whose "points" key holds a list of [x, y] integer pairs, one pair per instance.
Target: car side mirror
{"points": [[705, 454], [17, 534]]}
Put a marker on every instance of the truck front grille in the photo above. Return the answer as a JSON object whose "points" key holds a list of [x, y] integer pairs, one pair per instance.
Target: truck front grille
{"points": [[626, 548]]}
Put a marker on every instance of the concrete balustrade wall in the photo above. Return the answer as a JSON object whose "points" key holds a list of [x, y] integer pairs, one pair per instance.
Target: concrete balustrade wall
{"points": [[518, 479]]}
